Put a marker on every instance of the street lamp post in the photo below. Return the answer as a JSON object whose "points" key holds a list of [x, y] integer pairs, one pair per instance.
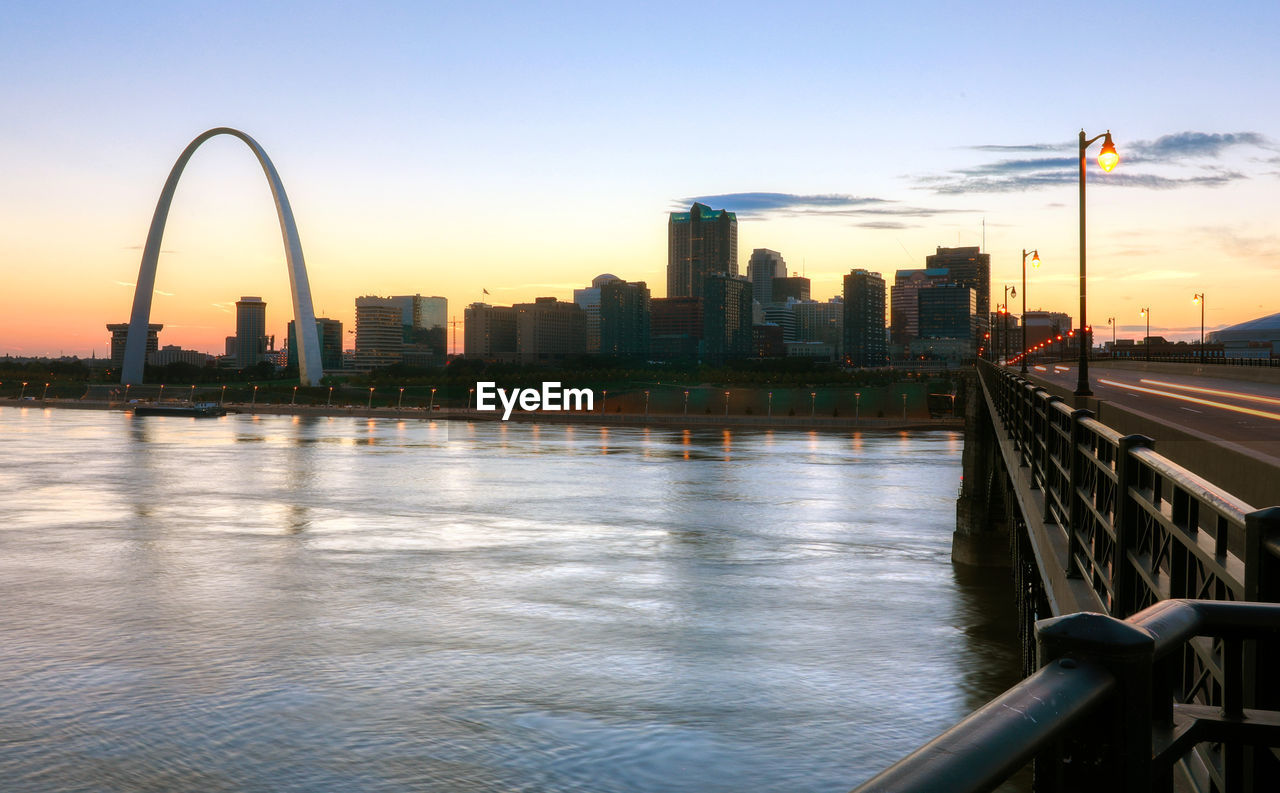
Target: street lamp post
{"points": [[646, 403], [604, 401], [1035, 262], [432, 405], [686, 403], [904, 407], [813, 395], [1112, 322], [369, 405], [328, 402], [294, 399], [400, 399], [1199, 298], [22, 394], [222, 398], [1107, 159], [470, 392], [45, 392], [770, 404], [252, 404], [191, 399], [1146, 340], [726, 403], [857, 405]]}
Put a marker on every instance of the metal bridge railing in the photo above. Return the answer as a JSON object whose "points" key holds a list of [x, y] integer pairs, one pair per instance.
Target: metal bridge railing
{"points": [[1105, 712], [1140, 529]]}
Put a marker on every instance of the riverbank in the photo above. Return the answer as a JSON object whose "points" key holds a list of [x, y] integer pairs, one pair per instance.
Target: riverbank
{"points": [[703, 421]]}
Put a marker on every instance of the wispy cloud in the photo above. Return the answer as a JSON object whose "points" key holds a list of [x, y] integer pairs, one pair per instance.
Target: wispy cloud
{"points": [[870, 212], [225, 308], [1028, 173], [566, 285], [131, 285]]}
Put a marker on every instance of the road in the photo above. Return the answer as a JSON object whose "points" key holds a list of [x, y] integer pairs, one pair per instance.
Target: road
{"points": [[1242, 413]]}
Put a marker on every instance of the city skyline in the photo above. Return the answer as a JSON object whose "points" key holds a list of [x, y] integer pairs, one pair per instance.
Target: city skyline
{"points": [[437, 152]]}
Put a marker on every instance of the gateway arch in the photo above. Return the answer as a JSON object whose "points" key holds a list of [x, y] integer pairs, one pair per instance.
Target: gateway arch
{"points": [[310, 368]]}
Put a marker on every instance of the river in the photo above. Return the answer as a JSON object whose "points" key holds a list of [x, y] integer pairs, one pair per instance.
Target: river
{"points": [[272, 603]]}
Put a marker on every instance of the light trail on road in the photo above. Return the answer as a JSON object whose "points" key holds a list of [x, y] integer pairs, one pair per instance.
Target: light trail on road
{"points": [[1196, 400], [1214, 391]]}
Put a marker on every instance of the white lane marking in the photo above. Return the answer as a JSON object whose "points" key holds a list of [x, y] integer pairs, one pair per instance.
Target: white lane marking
{"points": [[1193, 410]]}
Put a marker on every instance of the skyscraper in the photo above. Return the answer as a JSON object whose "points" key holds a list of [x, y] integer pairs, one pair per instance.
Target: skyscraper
{"points": [[120, 334], [251, 331], [864, 331], [330, 333], [764, 266], [700, 242], [379, 332], [588, 300], [794, 288], [425, 332], [904, 301], [624, 318], [489, 332], [549, 330], [726, 306], [972, 268]]}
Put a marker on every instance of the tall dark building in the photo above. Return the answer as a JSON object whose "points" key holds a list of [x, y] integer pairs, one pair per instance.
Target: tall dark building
{"points": [[726, 317], [624, 318], [251, 331], [947, 312], [549, 330], [700, 242], [796, 288], [120, 334], [864, 330], [329, 331], [489, 332], [968, 267], [764, 266], [675, 328]]}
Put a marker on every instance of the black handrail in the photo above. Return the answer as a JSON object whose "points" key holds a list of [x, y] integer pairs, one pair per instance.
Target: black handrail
{"points": [[1101, 712]]}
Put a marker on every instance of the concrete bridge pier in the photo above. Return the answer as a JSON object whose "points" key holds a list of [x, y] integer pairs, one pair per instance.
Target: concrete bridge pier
{"points": [[983, 509]]}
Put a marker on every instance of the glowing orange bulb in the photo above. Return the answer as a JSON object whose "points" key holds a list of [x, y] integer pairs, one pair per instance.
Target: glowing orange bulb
{"points": [[1035, 259], [1108, 157]]}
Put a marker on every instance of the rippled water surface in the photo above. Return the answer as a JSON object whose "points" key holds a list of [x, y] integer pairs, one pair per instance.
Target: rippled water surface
{"points": [[281, 604]]}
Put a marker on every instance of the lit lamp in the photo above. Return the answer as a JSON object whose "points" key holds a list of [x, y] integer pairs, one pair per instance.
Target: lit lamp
{"points": [[1035, 262], [1107, 159]]}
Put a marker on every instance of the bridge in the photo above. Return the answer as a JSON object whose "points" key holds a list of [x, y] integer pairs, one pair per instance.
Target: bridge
{"points": [[1147, 581]]}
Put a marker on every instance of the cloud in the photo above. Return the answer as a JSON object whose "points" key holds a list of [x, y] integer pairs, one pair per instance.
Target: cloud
{"points": [[874, 213], [1197, 144], [882, 224], [1028, 173]]}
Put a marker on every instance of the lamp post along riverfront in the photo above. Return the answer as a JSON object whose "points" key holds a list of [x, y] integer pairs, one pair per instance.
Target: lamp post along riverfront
{"points": [[1199, 298], [1146, 340], [1035, 262], [1107, 159]]}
